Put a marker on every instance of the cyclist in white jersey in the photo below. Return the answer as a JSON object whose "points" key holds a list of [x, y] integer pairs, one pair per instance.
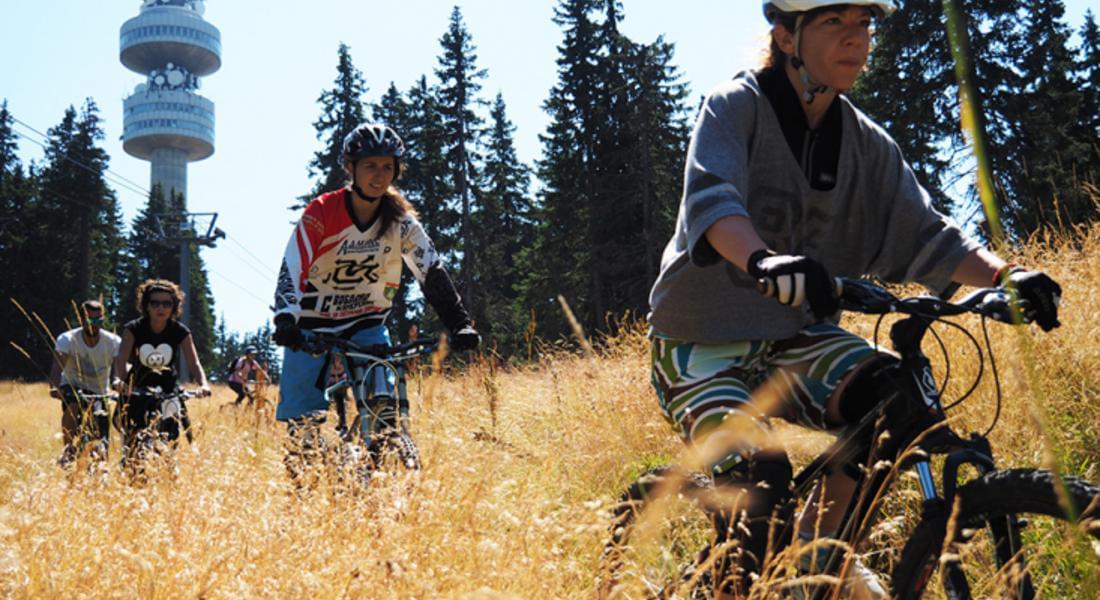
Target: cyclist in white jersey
{"points": [[82, 365]]}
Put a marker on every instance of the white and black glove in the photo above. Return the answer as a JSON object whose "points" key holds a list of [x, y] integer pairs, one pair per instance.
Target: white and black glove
{"points": [[793, 280]]}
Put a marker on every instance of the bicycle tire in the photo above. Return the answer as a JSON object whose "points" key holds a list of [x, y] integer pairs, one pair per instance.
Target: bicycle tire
{"points": [[992, 500], [398, 449], [656, 482]]}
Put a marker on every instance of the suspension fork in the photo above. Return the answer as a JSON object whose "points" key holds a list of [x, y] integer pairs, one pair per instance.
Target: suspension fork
{"points": [[374, 401]]}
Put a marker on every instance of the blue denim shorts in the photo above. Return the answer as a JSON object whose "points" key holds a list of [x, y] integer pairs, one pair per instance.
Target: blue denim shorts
{"points": [[302, 384]]}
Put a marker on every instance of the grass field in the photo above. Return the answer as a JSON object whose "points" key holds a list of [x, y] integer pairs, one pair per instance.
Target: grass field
{"points": [[520, 466]]}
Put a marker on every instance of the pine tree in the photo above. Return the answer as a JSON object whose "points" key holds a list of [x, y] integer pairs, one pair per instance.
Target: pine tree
{"points": [[501, 228], [903, 90], [659, 132], [560, 258], [17, 195], [341, 112], [146, 257], [1090, 72], [53, 243], [71, 233], [150, 256], [610, 173], [459, 84], [1049, 155], [1021, 76], [426, 181], [101, 236], [394, 111]]}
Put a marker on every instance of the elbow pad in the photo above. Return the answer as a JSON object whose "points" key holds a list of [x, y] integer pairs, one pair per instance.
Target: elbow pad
{"points": [[440, 292]]}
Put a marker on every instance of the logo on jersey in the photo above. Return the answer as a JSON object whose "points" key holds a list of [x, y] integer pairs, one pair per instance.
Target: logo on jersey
{"points": [[158, 359], [349, 273], [344, 303], [358, 247]]}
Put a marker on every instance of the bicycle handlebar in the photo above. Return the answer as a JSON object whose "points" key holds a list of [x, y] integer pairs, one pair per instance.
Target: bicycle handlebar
{"points": [[156, 392], [84, 396], [863, 296], [319, 344]]}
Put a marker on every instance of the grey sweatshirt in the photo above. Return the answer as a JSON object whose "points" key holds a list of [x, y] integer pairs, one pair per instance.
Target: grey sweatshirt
{"points": [[877, 220]]}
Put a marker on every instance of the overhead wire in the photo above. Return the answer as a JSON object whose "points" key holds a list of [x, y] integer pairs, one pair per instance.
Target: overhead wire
{"points": [[107, 172], [239, 286], [265, 271]]}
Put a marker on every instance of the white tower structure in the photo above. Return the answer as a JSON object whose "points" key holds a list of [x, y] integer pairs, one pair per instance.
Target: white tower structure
{"points": [[166, 121]]}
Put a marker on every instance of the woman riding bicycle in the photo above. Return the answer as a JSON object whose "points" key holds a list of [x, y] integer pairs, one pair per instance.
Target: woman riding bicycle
{"points": [[147, 360], [342, 270], [787, 181]]}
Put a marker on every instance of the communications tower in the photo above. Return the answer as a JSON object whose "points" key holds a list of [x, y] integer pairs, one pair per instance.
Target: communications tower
{"points": [[165, 120]]}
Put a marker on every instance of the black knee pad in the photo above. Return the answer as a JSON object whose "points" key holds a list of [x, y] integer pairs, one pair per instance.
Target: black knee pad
{"points": [[873, 384]]}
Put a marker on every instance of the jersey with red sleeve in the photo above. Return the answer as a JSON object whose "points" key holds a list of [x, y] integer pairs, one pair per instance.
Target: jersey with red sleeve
{"points": [[339, 276]]}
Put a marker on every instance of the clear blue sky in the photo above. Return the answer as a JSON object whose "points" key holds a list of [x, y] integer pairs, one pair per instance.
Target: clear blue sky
{"points": [[278, 56]]}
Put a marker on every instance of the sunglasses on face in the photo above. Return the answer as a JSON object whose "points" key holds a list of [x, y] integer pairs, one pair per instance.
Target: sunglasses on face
{"points": [[97, 321], [161, 303]]}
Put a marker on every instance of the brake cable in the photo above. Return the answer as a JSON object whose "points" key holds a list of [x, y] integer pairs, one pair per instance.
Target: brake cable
{"points": [[981, 362], [996, 378]]}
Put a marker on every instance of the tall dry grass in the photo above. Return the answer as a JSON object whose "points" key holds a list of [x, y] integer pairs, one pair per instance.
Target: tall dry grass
{"points": [[520, 466]]}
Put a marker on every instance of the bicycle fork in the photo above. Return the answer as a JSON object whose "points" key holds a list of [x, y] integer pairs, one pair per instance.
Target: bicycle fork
{"points": [[1005, 531]]}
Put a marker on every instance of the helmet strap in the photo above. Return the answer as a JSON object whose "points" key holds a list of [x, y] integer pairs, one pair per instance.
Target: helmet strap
{"points": [[810, 86]]}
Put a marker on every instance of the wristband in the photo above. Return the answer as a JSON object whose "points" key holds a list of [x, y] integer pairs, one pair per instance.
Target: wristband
{"points": [[1005, 272]]}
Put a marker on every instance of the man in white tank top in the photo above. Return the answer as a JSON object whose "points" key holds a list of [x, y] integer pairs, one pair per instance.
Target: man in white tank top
{"points": [[83, 359]]}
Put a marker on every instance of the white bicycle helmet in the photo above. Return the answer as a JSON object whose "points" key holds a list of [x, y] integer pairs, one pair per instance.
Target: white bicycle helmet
{"points": [[883, 8]]}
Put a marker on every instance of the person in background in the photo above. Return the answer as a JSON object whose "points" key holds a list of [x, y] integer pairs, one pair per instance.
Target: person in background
{"points": [[243, 367], [146, 360], [83, 362]]}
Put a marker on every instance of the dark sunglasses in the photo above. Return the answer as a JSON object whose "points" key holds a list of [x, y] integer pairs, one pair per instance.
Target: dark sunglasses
{"points": [[161, 303], [95, 320]]}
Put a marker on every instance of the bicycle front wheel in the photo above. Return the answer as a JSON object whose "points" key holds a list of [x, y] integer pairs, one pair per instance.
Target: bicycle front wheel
{"points": [[1012, 537], [660, 531]]}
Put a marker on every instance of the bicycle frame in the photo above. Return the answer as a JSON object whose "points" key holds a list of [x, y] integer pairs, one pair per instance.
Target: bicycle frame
{"points": [[908, 449], [93, 416], [380, 404]]}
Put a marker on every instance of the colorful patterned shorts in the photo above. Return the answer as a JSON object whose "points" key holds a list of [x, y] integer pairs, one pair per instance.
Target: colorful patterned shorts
{"points": [[699, 385]]}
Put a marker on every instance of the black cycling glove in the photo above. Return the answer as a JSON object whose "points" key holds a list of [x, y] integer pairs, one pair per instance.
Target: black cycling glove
{"points": [[287, 332], [1042, 294], [796, 279]]}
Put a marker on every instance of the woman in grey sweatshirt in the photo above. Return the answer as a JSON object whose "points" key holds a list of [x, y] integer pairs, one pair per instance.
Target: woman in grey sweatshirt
{"points": [[787, 181]]}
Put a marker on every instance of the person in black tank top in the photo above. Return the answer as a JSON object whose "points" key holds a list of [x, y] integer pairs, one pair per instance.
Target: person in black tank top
{"points": [[147, 359]]}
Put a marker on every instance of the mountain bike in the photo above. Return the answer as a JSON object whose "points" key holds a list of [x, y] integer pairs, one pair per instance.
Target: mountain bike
{"points": [[93, 432], [378, 436], [972, 535], [165, 416]]}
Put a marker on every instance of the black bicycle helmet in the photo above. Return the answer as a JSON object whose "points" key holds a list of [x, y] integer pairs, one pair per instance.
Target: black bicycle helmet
{"points": [[372, 139]]}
